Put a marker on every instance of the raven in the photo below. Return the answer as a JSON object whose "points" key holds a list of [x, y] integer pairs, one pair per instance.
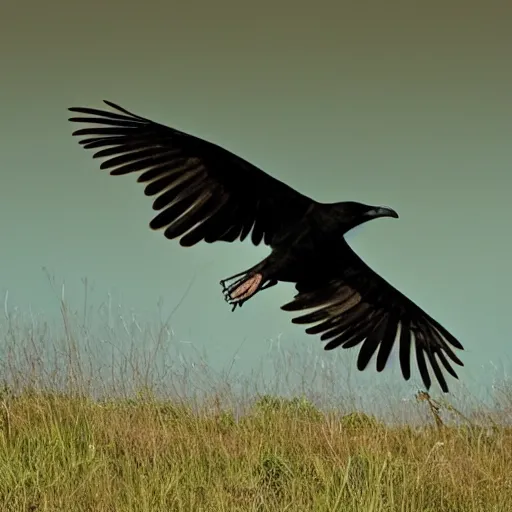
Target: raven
{"points": [[206, 193]]}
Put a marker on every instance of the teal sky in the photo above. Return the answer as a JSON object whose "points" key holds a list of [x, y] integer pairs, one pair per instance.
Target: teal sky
{"points": [[406, 105]]}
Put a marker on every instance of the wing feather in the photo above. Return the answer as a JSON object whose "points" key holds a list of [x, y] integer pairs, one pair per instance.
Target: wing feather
{"points": [[352, 305], [202, 191]]}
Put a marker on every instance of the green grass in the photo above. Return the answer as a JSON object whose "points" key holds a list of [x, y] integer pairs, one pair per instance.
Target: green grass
{"points": [[61, 452], [65, 448]]}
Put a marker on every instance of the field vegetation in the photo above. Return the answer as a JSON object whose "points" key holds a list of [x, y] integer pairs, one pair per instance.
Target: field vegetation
{"points": [[104, 422]]}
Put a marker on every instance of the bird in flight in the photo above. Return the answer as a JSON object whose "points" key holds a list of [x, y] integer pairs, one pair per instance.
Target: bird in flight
{"points": [[203, 192]]}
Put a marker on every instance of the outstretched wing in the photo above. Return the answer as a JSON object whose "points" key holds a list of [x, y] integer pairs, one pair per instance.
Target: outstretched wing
{"points": [[203, 191], [354, 305]]}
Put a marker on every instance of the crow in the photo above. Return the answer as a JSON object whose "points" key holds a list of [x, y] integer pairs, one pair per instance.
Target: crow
{"points": [[204, 192]]}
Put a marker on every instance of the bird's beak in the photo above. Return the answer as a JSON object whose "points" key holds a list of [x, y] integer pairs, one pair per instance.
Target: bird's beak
{"points": [[381, 211]]}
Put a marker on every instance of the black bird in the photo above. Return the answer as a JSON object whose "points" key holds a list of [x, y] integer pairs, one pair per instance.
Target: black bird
{"points": [[206, 193]]}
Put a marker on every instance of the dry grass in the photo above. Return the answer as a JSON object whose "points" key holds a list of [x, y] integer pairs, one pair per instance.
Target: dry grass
{"points": [[64, 448]]}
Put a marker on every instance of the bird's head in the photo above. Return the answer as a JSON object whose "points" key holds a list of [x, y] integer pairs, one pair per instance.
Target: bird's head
{"points": [[350, 214]]}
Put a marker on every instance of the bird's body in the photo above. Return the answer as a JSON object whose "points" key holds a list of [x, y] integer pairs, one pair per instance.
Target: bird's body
{"points": [[205, 193]]}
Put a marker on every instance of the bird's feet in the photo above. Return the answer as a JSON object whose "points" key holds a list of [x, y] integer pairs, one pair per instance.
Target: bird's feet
{"points": [[241, 290]]}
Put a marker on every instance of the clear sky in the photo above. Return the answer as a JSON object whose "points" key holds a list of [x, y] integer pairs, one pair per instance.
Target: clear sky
{"points": [[406, 104]]}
